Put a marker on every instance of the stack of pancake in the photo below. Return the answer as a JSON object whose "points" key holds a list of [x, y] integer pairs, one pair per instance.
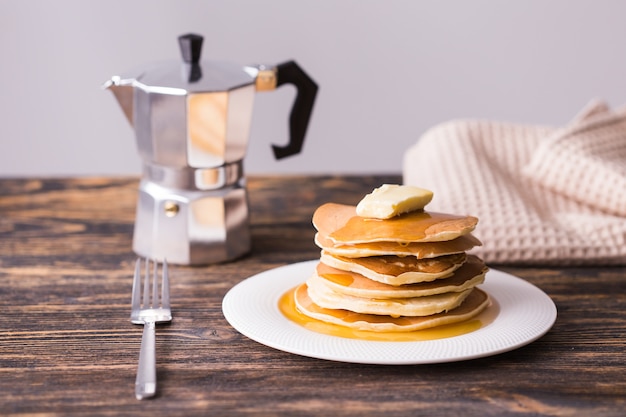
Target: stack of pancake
{"points": [[396, 269]]}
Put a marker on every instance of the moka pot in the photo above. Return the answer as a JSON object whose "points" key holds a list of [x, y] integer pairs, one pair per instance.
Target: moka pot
{"points": [[192, 121]]}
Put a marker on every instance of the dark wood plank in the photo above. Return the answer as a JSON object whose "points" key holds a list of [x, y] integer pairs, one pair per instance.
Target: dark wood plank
{"points": [[67, 346]]}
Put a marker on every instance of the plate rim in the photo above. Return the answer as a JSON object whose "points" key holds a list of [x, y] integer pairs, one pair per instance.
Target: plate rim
{"points": [[283, 331]]}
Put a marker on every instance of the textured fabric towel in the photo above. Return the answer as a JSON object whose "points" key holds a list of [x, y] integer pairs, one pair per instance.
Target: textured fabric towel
{"points": [[549, 196]]}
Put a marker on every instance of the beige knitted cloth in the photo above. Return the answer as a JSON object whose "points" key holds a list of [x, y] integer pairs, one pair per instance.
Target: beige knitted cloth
{"points": [[549, 196]]}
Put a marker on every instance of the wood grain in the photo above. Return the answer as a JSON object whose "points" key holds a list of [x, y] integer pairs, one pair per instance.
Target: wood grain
{"points": [[67, 345]]}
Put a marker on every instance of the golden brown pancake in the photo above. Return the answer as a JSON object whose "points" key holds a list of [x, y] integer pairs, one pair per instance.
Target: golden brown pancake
{"points": [[468, 276], [418, 249], [475, 302], [341, 224], [324, 296], [397, 270]]}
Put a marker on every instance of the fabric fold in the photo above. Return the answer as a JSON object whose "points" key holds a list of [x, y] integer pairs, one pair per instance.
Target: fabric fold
{"points": [[543, 195], [586, 161]]}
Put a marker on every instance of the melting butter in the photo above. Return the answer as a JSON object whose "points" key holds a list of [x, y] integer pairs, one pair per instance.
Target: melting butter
{"points": [[390, 200]]}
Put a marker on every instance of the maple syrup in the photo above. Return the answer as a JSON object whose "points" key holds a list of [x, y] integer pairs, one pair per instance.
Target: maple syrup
{"points": [[288, 308], [342, 225]]}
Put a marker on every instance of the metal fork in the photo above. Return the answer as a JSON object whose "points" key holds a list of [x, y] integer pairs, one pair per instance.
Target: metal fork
{"points": [[149, 311]]}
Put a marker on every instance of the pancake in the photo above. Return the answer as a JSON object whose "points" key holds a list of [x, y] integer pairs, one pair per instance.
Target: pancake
{"points": [[418, 249], [324, 296], [397, 270], [468, 276], [341, 224], [475, 302]]}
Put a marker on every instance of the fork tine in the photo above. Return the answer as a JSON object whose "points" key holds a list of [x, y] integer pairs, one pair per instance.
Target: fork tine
{"points": [[136, 298], [165, 286], [146, 285], [155, 285]]}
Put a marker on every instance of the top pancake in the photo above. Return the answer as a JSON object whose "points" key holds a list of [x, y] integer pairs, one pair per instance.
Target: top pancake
{"points": [[341, 224]]}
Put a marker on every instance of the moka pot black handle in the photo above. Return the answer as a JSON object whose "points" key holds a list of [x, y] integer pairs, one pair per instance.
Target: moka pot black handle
{"points": [[290, 73]]}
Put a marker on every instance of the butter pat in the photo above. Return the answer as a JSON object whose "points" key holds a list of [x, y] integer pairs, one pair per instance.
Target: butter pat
{"points": [[391, 200]]}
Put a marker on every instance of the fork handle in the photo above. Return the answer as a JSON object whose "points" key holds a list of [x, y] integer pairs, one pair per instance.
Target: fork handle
{"points": [[145, 384]]}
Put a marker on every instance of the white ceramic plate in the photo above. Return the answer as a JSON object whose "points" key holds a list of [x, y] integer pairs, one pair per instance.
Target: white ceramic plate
{"points": [[526, 313]]}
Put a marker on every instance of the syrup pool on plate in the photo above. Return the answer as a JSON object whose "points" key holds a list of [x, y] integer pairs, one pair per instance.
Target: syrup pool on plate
{"points": [[288, 308]]}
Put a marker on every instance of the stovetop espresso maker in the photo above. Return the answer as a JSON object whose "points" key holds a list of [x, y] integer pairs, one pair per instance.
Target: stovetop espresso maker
{"points": [[192, 120]]}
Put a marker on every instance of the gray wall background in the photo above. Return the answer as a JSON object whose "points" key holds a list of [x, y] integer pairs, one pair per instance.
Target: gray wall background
{"points": [[387, 70]]}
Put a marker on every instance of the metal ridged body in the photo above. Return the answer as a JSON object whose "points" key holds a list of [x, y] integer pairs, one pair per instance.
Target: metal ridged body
{"points": [[192, 139], [205, 227]]}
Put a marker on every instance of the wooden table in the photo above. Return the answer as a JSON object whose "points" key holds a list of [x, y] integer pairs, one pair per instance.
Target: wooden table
{"points": [[67, 346]]}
